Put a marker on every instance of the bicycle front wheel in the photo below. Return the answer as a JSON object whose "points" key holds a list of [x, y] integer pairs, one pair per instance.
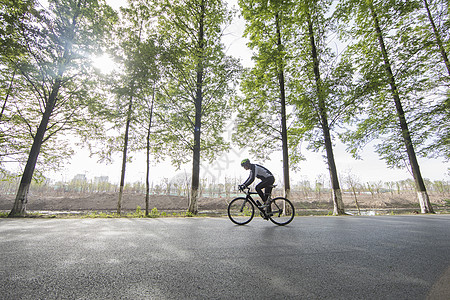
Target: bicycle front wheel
{"points": [[241, 211], [281, 211]]}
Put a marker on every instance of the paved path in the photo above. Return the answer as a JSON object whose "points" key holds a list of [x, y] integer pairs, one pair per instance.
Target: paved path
{"points": [[384, 257]]}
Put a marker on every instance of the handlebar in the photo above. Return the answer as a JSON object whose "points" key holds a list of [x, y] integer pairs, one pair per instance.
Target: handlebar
{"points": [[246, 190]]}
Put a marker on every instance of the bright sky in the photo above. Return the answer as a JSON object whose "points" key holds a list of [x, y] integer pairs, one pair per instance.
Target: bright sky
{"points": [[369, 169]]}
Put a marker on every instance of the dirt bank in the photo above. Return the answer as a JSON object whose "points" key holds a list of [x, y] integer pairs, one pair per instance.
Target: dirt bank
{"points": [[108, 202]]}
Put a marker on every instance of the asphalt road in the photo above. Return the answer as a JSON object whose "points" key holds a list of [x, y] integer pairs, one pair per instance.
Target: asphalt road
{"points": [[383, 257]]}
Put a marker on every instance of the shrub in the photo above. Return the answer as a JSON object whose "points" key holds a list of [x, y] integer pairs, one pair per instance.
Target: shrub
{"points": [[154, 213]]}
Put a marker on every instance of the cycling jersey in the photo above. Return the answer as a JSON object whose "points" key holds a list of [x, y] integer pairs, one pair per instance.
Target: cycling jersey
{"points": [[257, 171]]}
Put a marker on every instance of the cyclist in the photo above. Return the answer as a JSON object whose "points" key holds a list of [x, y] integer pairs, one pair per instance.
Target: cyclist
{"points": [[257, 171]]}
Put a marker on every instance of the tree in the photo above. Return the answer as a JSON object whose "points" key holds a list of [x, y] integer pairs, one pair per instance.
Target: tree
{"points": [[197, 82], [137, 52], [57, 75], [433, 28], [323, 79], [438, 32], [150, 109], [263, 112], [353, 183], [379, 51], [15, 18]]}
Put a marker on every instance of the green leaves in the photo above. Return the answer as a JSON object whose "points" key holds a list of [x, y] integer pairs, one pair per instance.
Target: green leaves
{"points": [[58, 42], [198, 75], [261, 123], [407, 36], [173, 49]]}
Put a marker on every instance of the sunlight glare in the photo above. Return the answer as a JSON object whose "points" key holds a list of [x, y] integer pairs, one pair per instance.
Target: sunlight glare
{"points": [[104, 63]]}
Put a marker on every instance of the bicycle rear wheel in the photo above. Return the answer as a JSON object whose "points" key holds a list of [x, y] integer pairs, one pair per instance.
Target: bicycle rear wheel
{"points": [[241, 211], [281, 211]]}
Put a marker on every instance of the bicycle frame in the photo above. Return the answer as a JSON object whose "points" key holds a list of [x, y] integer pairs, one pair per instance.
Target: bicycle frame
{"points": [[250, 198]]}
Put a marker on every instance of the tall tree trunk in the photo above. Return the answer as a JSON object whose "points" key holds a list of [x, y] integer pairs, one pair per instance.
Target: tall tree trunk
{"points": [[338, 204], [336, 190], [20, 203], [284, 141], [437, 37], [422, 194], [147, 181], [193, 205], [124, 156]]}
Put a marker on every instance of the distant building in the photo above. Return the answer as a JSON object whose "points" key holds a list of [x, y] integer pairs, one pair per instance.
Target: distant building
{"points": [[101, 179], [79, 177]]}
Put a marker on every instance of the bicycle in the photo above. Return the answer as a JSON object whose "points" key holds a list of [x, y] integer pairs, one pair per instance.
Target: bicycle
{"points": [[278, 210]]}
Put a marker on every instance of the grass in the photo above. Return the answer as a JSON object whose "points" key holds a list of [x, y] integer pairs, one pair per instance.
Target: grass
{"points": [[155, 213], [139, 213]]}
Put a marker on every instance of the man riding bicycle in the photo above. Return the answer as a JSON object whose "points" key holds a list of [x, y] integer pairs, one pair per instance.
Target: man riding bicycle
{"points": [[257, 171]]}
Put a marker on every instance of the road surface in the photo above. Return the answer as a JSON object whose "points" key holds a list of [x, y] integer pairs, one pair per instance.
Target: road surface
{"points": [[382, 257]]}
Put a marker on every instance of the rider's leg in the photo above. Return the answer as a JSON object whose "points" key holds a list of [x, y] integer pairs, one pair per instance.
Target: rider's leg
{"points": [[268, 190], [266, 185], [259, 188]]}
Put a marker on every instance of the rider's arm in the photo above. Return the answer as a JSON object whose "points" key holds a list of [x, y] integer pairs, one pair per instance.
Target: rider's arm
{"points": [[251, 177]]}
